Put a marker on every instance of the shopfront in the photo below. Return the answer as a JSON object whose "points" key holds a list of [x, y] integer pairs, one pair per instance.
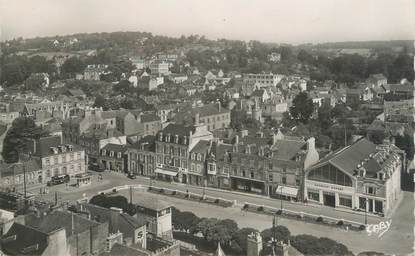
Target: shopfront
{"points": [[247, 185]]}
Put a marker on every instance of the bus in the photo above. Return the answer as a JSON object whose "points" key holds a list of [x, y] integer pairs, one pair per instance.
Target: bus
{"points": [[58, 179]]}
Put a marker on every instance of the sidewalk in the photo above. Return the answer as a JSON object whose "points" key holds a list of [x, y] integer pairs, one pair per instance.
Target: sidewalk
{"points": [[263, 197]]}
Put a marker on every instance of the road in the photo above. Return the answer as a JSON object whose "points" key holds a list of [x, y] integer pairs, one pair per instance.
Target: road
{"points": [[398, 240]]}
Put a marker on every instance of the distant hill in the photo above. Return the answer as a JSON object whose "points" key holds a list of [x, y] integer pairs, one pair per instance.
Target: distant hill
{"points": [[409, 44]]}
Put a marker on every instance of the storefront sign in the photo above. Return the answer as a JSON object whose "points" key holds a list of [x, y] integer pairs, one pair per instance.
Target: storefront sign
{"points": [[324, 186]]}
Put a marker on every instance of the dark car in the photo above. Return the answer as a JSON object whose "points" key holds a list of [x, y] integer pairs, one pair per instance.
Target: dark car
{"points": [[131, 176]]}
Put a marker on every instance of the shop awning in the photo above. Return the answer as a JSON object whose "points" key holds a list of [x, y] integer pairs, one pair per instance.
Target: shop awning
{"points": [[166, 172], [286, 191]]}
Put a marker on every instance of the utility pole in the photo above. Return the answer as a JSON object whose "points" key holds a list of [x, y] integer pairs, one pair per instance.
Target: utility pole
{"points": [[131, 195]]}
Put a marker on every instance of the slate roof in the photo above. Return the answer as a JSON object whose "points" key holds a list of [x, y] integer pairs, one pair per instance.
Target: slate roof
{"points": [[258, 93], [7, 170], [145, 118], [119, 249], [76, 92], [25, 237], [44, 144], [287, 149], [201, 147], [347, 159], [104, 215], [115, 147], [402, 87], [151, 203], [178, 129], [188, 113], [60, 219]]}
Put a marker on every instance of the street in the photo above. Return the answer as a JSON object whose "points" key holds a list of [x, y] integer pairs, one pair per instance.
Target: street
{"points": [[397, 240]]}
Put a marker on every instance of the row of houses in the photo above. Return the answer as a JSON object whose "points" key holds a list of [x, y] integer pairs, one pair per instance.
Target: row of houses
{"points": [[275, 165]]}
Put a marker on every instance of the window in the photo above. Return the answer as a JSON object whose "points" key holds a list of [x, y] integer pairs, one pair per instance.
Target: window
{"points": [[371, 190], [193, 167], [378, 206], [252, 175], [330, 174], [199, 168], [199, 157], [243, 173], [111, 153], [345, 201], [226, 170], [119, 155], [284, 180], [271, 177], [72, 156], [78, 155], [313, 196], [47, 161], [297, 182]]}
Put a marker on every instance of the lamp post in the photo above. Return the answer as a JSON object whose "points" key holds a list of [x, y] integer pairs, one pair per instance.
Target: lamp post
{"points": [[281, 199], [365, 211]]}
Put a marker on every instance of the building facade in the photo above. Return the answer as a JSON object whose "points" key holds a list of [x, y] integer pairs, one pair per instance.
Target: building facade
{"points": [[363, 177]]}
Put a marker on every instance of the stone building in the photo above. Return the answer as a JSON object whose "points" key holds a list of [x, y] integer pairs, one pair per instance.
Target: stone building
{"points": [[362, 176]]}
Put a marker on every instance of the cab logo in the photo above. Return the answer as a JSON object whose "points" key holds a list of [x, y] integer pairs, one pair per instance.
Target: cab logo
{"points": [[378, 229]]}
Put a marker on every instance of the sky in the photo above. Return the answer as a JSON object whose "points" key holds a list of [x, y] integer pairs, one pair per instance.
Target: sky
{"points": [[279, 21]]}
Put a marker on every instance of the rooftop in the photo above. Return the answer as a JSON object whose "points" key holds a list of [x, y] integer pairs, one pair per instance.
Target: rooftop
{"points": [[151, 203]]}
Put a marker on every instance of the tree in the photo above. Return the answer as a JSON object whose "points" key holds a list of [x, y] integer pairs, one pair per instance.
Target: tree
{"points": [[286, 54], [281, 234], [99, 101], [305, 57], [122, 87], [241, 236], [223, 231], [184, 220], [311, 245], [204, 226], [324, 116], [406, 143], [302, 107], [35, 82], [73, 65], [23, 130], [13, 73]]}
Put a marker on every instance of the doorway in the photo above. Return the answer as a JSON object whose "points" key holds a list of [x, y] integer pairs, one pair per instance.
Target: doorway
{"points": [[329, 199]]}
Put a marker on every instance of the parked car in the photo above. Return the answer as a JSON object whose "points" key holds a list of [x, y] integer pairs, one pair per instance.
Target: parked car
{"points": [[131, 176]]}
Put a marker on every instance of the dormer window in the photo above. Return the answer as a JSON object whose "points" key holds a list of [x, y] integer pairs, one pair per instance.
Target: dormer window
{"points": [[199, 157], [381, 175], [111, 153], [176, 139], [119, 155], [104, 152]]}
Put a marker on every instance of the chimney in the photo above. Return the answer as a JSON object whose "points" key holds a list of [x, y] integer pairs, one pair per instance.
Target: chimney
{"points": [[236, 141], [219, 106], [197, 119], [311, 143]]}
